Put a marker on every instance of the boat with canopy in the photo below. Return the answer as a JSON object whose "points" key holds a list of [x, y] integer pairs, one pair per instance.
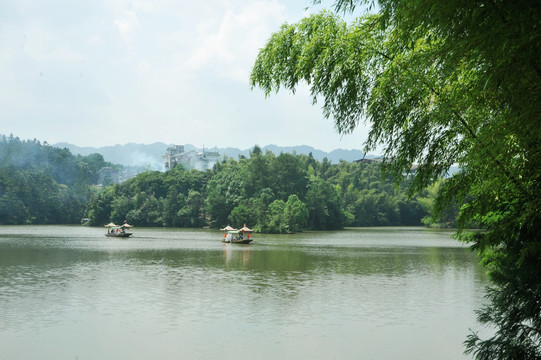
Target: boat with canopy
{"points": [[122, 231], [237, 236]]}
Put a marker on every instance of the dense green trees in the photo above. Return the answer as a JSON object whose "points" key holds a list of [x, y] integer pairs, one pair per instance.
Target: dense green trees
{"points": [[40, 184], [153, 198], [442, 83], [284, 193]]}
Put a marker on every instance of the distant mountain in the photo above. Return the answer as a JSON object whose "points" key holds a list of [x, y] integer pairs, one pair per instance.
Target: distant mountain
{"points": [[150, 156]]}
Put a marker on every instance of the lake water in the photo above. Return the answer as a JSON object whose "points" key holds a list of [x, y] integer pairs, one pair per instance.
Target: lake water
{"points": [[377, 293]]}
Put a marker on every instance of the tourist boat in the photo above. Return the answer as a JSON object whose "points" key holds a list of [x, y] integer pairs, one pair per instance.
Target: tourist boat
{"points": [[121, 231], [237, 236]]}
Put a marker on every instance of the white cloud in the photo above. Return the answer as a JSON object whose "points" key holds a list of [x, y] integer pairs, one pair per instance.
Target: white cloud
{"points": [[230, 47], [128, 23], [42, 44], [158, 70]]}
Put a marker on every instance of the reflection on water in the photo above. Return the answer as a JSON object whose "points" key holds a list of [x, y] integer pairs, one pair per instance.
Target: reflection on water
{"points": [[70, 292]]}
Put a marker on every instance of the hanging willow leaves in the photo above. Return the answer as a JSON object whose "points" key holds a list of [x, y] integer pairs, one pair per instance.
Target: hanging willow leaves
{"points": [[440, 83]]}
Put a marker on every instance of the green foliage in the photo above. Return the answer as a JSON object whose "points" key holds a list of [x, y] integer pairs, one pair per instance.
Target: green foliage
{"points": [[173, 198], [99, 206], [285, 217], [276, 221], [284, 200], [287, 176], [438, 217], [324, 206], [224, 192], [40, 184], [439, 83], [296, 214], [242, 214], [282, 194]]}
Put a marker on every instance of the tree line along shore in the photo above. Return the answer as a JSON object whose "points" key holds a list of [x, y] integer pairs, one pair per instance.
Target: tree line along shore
{"points": [[41, 184]]}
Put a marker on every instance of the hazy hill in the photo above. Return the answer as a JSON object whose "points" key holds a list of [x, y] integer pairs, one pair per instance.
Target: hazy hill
{"points": [[150, 156]]}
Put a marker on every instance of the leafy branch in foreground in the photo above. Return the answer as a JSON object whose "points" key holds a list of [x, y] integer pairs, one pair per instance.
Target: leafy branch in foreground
{"points": [[442, 83]]}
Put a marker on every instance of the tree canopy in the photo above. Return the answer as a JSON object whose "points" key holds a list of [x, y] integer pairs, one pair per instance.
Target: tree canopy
{"points": [[273, 194], [442, 83], [41, 184]]}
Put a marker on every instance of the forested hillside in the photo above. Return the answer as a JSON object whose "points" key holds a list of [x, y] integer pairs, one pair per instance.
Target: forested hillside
{"points": [[271, 193], [41, 184]]}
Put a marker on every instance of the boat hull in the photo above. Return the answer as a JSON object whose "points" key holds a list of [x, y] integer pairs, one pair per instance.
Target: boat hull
{"points": [[125, 235], [243, 241]]}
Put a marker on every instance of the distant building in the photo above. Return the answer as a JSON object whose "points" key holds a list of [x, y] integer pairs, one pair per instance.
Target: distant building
{"points": [[172, 156], [203, 160], [370, 160]]}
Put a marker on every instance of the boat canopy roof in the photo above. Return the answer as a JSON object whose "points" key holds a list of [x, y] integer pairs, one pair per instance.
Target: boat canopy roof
{"points": [[243, 229], [228, 228], [113, 225]]}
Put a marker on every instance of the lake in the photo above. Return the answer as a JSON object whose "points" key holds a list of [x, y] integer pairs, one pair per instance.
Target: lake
{"points": [[69, 292]]}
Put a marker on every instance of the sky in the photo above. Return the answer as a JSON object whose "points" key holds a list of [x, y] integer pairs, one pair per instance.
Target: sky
{"points": [[106, 72]]}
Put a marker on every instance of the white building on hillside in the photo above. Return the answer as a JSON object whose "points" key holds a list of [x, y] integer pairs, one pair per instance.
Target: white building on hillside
{"points": [[190, 160]]}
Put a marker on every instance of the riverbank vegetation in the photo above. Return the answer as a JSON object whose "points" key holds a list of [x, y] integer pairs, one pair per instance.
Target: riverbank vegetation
{"points": [[40, 184], [272, 193]]}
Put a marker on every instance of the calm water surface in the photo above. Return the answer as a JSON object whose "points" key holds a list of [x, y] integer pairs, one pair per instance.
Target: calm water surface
{"points": [[383, 293]]}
